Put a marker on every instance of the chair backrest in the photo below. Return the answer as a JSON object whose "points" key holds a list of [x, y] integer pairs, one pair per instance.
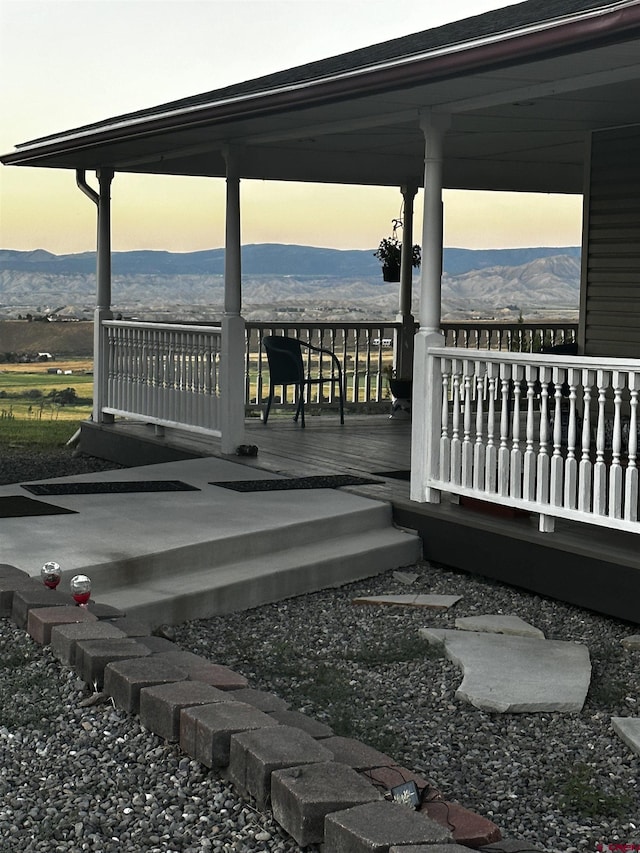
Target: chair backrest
{"points": [[285, 359], [570, 348]]}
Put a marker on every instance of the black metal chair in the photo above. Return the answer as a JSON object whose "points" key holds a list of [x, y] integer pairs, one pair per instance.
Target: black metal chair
{"points": [[286, 367]]}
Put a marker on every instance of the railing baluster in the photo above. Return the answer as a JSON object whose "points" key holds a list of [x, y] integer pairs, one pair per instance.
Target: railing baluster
{"points": [[356, 369], [542, 474], [585, 471], [529, 462], [467, 446], [503, 450], [615, 471], [515, 480], [600, 467], [445, 441], [557, 462], [456, 444], [631, 475], [571, 463], [367, 367], [479, 448], [491, 456]]}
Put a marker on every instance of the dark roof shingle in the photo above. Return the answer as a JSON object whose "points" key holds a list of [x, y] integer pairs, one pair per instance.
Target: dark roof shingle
{"points": [[503, 20]]}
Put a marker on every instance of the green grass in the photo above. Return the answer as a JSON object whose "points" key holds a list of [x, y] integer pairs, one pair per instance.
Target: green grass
{"points": [[328, 687], [398, 649], [30, 416], [20, 383], [17, 434]]}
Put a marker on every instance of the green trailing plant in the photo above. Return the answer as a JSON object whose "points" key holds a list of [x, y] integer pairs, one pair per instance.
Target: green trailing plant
{"points": [[389, 253], [579, 793]]}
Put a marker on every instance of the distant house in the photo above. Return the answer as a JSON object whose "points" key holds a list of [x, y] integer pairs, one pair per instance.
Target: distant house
{"points": [[541, 97], [45, 356]]}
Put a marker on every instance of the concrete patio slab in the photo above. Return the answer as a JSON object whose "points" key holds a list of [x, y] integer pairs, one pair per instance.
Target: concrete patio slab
{"points": [[628, 729], [499, 624], [166, 556], [517, 674], [434, 602]]}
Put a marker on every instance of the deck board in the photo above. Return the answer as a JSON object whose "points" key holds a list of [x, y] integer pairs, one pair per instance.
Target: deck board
{"points": [[365, 445]]}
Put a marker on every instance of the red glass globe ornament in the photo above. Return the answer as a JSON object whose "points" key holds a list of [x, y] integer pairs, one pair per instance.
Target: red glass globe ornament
{"points": [[81, 589], [51, 574]]}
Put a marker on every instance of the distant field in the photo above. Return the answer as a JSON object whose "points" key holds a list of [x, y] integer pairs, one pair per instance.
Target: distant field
{"points": [[26, 389], [61, 339]]}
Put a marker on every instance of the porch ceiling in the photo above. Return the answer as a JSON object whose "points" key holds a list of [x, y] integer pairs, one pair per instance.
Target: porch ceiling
{"points": [[519, 125]]}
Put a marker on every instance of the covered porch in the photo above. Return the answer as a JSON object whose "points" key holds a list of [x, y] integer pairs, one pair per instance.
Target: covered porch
{"points": [[511, 101]]}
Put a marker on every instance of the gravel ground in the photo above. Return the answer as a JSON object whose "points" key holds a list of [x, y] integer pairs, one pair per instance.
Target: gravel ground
{"points": [[78, 776], [563, 781], [21, 466]]}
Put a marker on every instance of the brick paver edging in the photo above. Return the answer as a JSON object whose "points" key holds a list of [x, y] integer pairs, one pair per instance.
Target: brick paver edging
{"points": [[321, 788]]}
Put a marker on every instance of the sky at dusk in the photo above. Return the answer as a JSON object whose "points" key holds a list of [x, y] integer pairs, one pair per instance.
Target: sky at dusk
{"points": [[65, 63]]}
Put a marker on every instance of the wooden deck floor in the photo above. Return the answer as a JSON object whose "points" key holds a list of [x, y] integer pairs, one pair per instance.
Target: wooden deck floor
{"points": [[365, 445]]}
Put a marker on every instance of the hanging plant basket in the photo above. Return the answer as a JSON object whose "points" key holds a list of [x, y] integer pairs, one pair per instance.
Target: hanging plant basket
{"points": [[389, 253], [391, 272]]}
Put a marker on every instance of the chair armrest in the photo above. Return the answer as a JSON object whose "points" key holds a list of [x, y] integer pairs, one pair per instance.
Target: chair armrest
{"points": [[328, 352]]}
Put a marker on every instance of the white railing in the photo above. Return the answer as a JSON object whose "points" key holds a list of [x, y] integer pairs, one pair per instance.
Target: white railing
{"points": [[165, 374], [546, 434], [367, 352], [509, 337]]}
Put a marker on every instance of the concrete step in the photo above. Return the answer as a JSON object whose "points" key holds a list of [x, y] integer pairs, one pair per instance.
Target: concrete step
{"points": [[185, 590], [219, 547]]}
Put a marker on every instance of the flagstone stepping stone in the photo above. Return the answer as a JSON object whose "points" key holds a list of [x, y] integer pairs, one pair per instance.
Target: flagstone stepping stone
{"points": [[499, 624], [406, 577], [628, 729], [435, 602], [516, 674], [632, 642]]}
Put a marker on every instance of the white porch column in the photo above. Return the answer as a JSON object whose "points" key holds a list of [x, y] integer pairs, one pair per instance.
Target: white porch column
{"points": [[102, 311], [233, 331], [427, 387], [403, 350]]}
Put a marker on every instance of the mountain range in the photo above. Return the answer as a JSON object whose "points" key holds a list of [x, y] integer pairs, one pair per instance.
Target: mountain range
{"points": [[265, 259], [283, 279]]}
